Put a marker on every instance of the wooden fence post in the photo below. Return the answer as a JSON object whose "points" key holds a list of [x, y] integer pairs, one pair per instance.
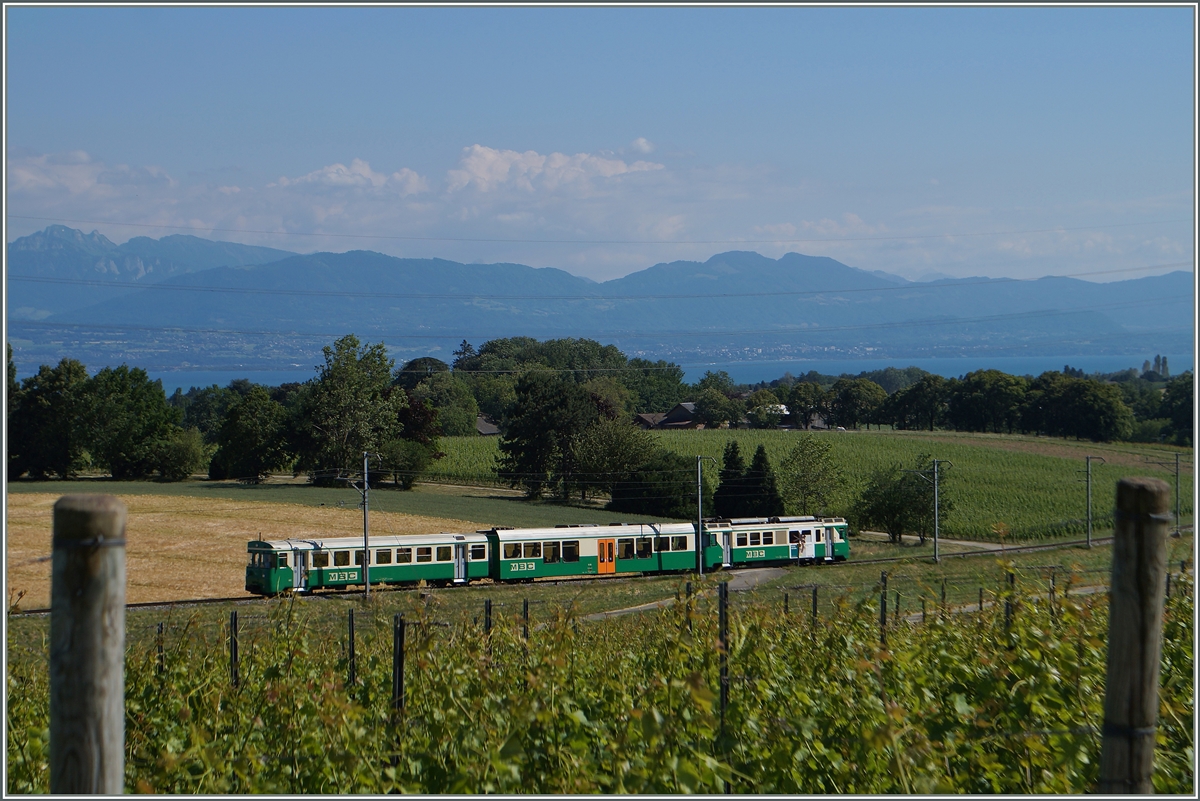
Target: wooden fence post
{"points": [[87, 646], [350, 634], [162, 663], [1134, 636], [234, 678], [883, 608], [398, 663]]}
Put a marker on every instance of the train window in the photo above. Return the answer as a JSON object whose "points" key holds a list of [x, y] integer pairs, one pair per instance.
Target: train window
{"points": [[625, 548], [793, 537], [358, 557], [424, 554], [283, 560], [550, 552], [679, 543], [383, 557], [741, 540], [443, 553], [478, 552], [754, 538], [512, 550], [570, 551], [320, 559], [818, 535], [341, 558], [768, 538], [662, 543], [533, 549], [404, 555], [256, 559], [643, 548]]}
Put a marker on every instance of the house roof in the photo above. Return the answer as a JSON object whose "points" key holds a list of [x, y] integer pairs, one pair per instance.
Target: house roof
{"points": [[486, 427]]}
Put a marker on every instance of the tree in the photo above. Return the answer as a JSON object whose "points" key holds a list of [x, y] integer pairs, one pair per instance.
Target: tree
{"points": [[1177, 405], [406, 457], [205, 409], [46, 431], [765, 410], [608, 451], [464, 353], [665, 486], [128, 421], [535, 447], [252, 441], [720, 381], [900, 501], [808, 476], [611, 398], [1095, 411], [348, 409], [655, 386], [987, 400], [457, 411], [762, 490], [182, 453], [418, 370], [855, 400], [714, 409], [807, 400], [730, 498]]}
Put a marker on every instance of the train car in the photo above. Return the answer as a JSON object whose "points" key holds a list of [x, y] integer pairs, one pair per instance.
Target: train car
{"points": [[276, 566], [592, 550], [779, 540]]}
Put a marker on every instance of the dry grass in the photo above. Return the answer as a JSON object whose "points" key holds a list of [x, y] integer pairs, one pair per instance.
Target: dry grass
{"points": [[181, 548]]}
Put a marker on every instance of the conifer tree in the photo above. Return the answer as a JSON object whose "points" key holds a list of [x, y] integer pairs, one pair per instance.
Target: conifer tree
{"points": [[762, 497], [729, 500]]}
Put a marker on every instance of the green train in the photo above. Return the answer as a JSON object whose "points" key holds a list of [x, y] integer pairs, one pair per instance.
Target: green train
{"points": [[514, 555]]}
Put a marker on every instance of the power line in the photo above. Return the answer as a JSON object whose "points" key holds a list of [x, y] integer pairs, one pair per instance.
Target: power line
{"points": [[321, 293], [595, 241]]}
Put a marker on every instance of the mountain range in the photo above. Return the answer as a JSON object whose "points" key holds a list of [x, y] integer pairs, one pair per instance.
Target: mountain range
{"points": [[188, 302]]}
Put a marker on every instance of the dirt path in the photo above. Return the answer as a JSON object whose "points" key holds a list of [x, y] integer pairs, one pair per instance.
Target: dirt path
{"points": [[740, 581]]}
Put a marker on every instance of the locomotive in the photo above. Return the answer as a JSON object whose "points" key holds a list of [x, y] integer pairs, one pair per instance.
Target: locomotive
{"points": [[505, 554]]}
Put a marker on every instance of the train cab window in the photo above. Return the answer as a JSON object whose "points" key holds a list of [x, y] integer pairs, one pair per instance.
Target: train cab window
{"points": [[793, 537], [443, 553], [533, 550], [258, 559], [643, 548], [625, 548], [404, 555], [662, 543], [570, 551], [754, 538], [424, 554], [478, 552], [320, 559], [679, 543], [283, 560], [512, 550], [818, 535], [741, 540], [550, 552], [383, 556], [358, 557], [768, 538], [804, 536], [341, 558]]}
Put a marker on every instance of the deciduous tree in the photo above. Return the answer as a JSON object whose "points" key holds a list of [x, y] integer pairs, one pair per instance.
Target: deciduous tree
{"points": [[808, 476]]}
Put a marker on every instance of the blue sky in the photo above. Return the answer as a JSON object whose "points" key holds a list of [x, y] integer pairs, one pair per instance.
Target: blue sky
{"points": [[969, 141]]}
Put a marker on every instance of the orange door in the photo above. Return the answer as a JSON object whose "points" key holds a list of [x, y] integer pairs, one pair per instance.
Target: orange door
{"points": [[605, 550]]}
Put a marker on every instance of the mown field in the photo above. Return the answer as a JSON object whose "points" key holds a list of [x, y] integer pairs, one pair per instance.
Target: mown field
{"points": [[1032, 485], [960, 703]]}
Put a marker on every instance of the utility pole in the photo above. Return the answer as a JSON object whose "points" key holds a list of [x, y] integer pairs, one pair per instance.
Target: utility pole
{"points": [[366, 535], [1177, 465], [936, 506], [700, 515], [1089, 496]]}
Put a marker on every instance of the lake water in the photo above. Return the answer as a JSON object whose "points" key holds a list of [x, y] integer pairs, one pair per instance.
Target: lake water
{"points": [[753, 372]]}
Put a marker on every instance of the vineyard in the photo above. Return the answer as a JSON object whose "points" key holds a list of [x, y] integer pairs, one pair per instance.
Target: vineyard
{"points": [[982, 700], [1032, 487]]}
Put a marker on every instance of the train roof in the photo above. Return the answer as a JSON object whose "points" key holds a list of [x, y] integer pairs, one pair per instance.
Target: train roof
{"points": [[595, 531], [377, 541], [771, 521]]}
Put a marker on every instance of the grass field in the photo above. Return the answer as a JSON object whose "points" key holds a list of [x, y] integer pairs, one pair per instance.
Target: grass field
{"points": [[1033, 485]]}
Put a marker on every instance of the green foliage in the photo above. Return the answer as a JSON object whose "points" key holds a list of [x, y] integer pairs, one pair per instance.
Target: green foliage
{"points": [[418, 370], [730, 498], [961, 704], [253, 438], [1076, 407], [46, 434], [127, 419], [183, 453], [762, 499], [662, 486], [450, 396], [764, 409], [987, 400], [807, 400], [536, 450], [347, 410], [808, 476], [714, 409], [607, 451], [720, 381], [205, 409], [854, 401], [1178, 406], [405, 460]]}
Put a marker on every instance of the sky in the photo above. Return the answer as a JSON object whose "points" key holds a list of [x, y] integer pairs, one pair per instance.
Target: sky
{"points": [[1014, 142]]}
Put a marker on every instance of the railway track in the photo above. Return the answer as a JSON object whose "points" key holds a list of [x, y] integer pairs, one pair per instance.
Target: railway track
{"points": [[338, 593]]}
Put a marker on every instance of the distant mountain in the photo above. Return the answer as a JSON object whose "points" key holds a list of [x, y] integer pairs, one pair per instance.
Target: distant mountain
{"points": [[41, 266], [734, 306]]}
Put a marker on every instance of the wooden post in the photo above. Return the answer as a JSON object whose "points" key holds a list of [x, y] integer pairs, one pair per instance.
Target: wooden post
{"points": [[883, 608], [1008, 602], [785, 604], [723, 635], [162, 665], [398, 664], [87, 646], [1134, 635], [525, 621], [896, 611], [814, 611], [487, 617], [233, 649], [981, 599], [350, 642], [922, 611]]}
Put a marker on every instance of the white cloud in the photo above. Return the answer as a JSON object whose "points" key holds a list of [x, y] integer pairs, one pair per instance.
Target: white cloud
{"points": [[359, 174], [487, 169], [642, 145]]}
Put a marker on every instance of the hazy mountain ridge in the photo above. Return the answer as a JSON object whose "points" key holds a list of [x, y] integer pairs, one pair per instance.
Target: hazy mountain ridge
{"points": [[735, 305]]}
